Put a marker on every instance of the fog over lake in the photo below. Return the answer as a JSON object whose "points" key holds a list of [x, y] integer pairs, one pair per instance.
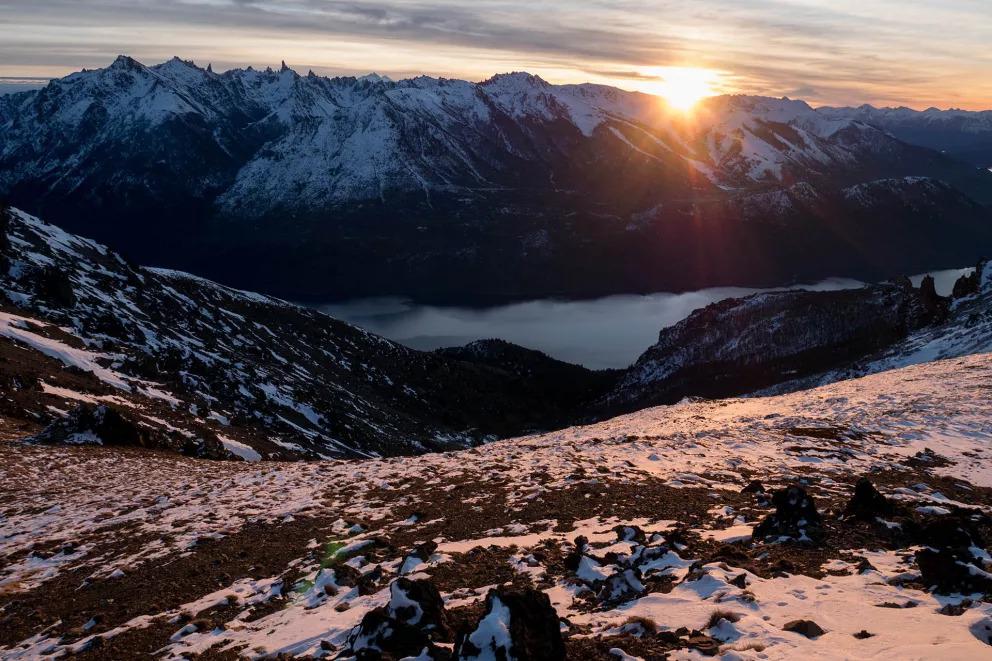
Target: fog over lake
{"points": [[599, 333]]}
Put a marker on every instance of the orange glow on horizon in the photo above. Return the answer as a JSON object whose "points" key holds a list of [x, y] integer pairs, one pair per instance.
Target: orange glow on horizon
{"points": [[683, 87]]}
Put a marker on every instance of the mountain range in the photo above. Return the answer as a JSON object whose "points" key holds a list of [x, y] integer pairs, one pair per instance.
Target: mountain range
{"points": [[315, 188]]}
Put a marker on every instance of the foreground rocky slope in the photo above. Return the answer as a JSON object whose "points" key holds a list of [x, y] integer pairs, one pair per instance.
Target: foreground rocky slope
{"points": [[849, 521], [319, 188], [186, 364]]}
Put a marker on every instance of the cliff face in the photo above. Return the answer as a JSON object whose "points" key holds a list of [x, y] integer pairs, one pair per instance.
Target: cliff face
{"points": [[740, 345]]}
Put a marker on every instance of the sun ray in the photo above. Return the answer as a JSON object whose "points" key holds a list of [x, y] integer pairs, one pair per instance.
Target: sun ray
{"points": [[684, 87]]}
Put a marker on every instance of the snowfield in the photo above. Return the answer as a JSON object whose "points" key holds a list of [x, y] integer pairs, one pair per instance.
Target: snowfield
{"points": [[634, 527]]}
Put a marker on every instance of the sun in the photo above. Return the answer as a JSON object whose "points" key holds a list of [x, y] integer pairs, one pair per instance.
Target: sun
{"points": [[684, 87]]}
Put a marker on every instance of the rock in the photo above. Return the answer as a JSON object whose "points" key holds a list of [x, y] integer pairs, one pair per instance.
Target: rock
{"points": [[417, 603], [517, 624], [955, 610], [948, 564], [629, 534], [948, 571], [950, 532], [864, 566], [739, 581], [406, 626], [934, 305], [795, 516], [867, 503], [754, 486], [982, 630], [807, 628], [368, 582], [968, 285], [421, 553], [622, 586], [346, 575], [861, 635], [55, 288], [574, 558], [703, 644], [102, 424]]}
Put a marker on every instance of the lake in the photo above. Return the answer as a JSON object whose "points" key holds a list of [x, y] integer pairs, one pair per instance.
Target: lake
{"points": [[605, 332]]}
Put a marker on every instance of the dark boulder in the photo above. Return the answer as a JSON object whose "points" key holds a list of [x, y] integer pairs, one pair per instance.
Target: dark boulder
{"points": [[420, 553], [948, 571], [867, 504], [807, 628], [622, 586], [754, 486], [950, 532], [629, 534], [406, 626], [795, 516], [517, 624], [934, 305], [574, 557]]}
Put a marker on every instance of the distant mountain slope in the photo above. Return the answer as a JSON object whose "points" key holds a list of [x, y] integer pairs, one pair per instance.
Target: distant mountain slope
{"points": [[786, 341], [210, 370], [963, 134], [310, 187]]}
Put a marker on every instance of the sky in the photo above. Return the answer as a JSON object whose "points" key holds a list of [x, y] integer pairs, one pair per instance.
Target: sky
{"points": [[917, 53]]}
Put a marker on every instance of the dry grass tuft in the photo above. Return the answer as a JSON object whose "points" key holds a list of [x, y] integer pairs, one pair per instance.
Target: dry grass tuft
{"points": [[646, 623], [718, 615]]}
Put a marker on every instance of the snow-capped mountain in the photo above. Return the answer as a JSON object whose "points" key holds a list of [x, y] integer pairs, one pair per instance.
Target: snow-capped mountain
{"points": [[430, 185], [964, 134]]}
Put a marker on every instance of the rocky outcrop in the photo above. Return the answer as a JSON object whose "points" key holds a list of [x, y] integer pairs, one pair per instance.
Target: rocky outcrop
{"points": [[953, 560], [867, 504], [106, 425], [407, 626], [795, 517], [970, 284], [516, 624], [740, 345]]}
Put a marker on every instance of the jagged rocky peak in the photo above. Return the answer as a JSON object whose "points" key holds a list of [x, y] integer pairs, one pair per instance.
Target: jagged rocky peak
{"points": [[125, 62], [515, 79], [223, 160]]}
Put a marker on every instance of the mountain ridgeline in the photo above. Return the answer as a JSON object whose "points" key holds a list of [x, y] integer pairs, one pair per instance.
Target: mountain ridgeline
{"points": [[316, 188]]}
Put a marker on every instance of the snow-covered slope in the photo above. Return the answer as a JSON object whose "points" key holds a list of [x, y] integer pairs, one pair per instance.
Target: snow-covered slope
{"points": [[669, 531], [962, 133], [199, 367]]}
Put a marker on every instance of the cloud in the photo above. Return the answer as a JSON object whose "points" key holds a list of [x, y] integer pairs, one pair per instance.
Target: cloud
{"points": [[916, 51]]}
